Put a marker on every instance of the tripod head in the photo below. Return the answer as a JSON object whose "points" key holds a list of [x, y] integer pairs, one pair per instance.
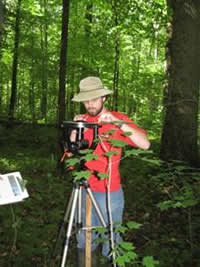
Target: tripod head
{"points": [[80, 142]]}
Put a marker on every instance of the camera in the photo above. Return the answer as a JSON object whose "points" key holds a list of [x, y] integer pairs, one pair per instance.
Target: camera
{"points": [[80, 143]]}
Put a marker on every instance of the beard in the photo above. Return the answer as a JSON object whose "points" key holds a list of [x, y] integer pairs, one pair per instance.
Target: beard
{"points": [[95, 111]]}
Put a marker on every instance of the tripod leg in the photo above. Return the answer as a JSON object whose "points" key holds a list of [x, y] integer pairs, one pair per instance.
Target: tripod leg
{"points": [[88, 232], [69, 229], [62, 226], [79, 217], [101, 218], [96, 207]]}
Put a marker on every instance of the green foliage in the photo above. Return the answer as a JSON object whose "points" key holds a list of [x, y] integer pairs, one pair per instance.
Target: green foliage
{"points": [[110, 132], [131, 225], [180, 183], [128, 254], [127, 133], [89, 157], [79, 175], [117, 143], [125, 252], [72, 161], [148, 261], [102, 175], [146, 155], [168, 235], [109, 154], [76, 161], [92, 36]]}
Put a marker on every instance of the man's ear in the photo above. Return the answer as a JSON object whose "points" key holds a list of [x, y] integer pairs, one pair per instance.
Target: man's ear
{"points": [[104, 98]]}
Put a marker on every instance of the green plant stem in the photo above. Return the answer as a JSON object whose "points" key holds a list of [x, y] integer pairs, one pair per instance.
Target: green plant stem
{"points": [[13, 247]]}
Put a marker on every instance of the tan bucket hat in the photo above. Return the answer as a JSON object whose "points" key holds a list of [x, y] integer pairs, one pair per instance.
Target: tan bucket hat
{"points": [[91, 88]]}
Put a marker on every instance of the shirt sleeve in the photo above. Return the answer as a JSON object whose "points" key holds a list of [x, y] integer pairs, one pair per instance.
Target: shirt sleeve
{"points": [[120, 134]]}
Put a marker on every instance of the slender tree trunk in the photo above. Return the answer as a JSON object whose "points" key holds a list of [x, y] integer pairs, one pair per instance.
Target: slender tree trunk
{"points": [[116, 75], [88, 17], [2, 11], [44, 46], [117, 56], [63, 60], [32, 97], [2, 21], [15, 64], [32, 84], [87, 55], [179, 135]]}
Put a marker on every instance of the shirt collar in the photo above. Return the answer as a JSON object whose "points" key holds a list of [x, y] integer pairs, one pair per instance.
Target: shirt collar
{"points": [[95, 118]]}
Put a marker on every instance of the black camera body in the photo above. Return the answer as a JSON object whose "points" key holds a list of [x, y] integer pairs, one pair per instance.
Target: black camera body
{"points": [[80, 143]]}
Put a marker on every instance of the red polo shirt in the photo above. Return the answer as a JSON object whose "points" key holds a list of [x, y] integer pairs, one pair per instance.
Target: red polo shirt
{"points": [[101, 164]]}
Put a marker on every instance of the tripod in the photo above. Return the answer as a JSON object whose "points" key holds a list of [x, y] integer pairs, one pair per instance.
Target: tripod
{"points": [[74, 147], [75, 203]]}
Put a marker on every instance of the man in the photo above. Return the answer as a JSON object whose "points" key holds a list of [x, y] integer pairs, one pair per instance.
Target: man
{"points": [[113, 124]]}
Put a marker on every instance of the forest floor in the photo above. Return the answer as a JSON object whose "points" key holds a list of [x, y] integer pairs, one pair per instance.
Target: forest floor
{"points": [[28, 229]]}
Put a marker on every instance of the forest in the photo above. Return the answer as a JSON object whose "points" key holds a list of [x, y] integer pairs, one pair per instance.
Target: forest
{"points": [[147, 53]]}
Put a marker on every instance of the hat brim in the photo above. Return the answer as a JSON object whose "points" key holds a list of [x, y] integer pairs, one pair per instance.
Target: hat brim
{"points": [[89, 95]]}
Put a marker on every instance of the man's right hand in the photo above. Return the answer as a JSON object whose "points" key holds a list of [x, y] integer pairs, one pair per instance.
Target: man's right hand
{"points": [[80, 117]]}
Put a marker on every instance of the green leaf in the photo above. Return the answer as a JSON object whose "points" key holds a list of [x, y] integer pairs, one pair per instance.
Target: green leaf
{"points": [[86, 151], [148, 261], [121, 260], [100, 230], [127, 133], [111, 153], [117, 143], [152, 161], [189, 203], [81, 174], [132, 255], [137, 152], [112, 131], [89, 157], [72, 161], [127, 245], [133, 225], [121, 229], [103, 175], [128, 257], [165, 205], [132, 152]]}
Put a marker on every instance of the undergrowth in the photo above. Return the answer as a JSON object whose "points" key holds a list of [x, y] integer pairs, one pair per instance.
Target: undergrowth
{"points": [[164, 199]]}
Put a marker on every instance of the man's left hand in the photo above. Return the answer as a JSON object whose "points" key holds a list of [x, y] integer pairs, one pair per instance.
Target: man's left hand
{"points": [[107, 117]]}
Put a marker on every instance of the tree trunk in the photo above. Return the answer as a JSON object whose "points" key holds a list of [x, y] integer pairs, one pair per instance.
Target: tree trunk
{"points": [[116, 75], [2, 10], [116, 59], [31, 90], [179, 135], [15, 64], [44, 47], [63, 60], [2, 21]]}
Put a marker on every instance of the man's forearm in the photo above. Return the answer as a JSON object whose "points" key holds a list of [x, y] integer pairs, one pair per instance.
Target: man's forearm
{"points": [[137, 137]]}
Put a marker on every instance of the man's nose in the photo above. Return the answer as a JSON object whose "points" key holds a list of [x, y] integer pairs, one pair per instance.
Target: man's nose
{"points": [[90, 103]]}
